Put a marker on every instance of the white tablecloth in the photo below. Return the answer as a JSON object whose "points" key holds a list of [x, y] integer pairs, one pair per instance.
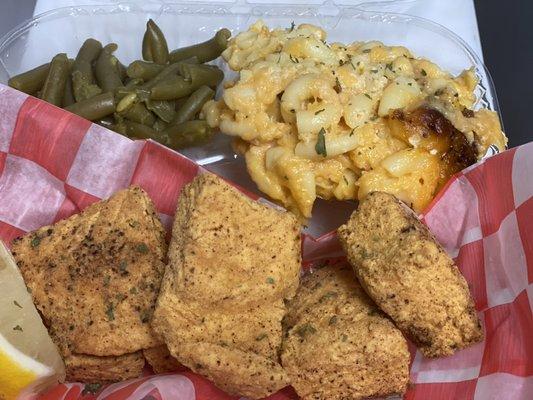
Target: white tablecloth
{"points": [[457, 15]]}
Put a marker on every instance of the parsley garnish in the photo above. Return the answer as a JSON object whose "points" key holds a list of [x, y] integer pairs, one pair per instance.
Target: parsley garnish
{"points": [[338, 86], [18, 328], [374, 71], [344, 338], [328, 295], [305, 330], [261, 337], [389, 66], [123, 267], [351, 133], [35, 241], [294, 59], [91, 388], [110, 312], [367, 95], [142, 248], [366, 51], [107, 279], [319, 111], [133, 290], [468, 113], [320, 146], [333, 320], [15, 302], [145, 316], [270, 280], [423, 72]]}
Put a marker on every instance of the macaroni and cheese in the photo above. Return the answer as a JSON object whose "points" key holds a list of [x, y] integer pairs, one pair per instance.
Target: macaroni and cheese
{"points": [[339, 121]]}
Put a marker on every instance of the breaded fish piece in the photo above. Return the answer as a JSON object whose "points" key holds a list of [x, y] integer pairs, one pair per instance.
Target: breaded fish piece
{"points": [[338, 345], [409, 275], [232, 262], [95, 276], [161, 360], [85, 368]]}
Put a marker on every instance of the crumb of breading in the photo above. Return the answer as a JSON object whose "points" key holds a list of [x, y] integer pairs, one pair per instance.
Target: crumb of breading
{"points": [[85, 368], [95, 276], [338, 344], [232, 262], [161, 360], [410, 276]]}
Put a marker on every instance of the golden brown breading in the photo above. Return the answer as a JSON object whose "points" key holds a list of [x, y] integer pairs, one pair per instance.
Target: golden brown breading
{"points": [[95, 276], [85, 368], [410, 276], [161, 360], [338, 345], [232, 261]]}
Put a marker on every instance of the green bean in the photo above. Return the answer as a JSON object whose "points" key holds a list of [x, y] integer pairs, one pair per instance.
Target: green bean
{"points": [[187, 134], [147, 47], [132, 83], [127, 102], [122, 72], [144, 70], [82, 73], [205, 51], [110, 48], [193, 104], [106, 69], [168, 71], [157, 42], [139, 131], [180, 102], [163, 109], [54, 86], [172, 88], [159, 125], [30, 81], [199, 75], [89, 50], [140, 114], [95, 108], [68, 96], [107, 122]]}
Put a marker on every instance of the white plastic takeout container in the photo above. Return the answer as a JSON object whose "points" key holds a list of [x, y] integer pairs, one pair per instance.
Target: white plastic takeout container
{"points": [[36, 41]]}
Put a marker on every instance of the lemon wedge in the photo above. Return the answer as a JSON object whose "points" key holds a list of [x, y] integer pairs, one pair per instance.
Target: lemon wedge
{"points": [[29, 360]]}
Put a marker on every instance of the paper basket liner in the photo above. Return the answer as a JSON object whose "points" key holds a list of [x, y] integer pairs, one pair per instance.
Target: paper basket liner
{"points": [[53, 164]]}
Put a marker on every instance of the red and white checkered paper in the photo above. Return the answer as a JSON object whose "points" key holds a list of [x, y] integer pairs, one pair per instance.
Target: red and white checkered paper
{"points": [[54, 164]]}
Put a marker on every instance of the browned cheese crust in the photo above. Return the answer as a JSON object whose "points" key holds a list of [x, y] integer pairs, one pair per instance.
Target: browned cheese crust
{"points": [[161, 360], [232, 262], [410, 276], [95, 276], [338, 344], [84, 368]]}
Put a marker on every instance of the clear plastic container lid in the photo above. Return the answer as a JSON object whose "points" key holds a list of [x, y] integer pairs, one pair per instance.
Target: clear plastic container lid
{"points": [[63, 30]]}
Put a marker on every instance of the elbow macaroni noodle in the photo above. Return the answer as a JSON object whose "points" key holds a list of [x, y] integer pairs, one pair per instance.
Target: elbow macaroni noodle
{"points": [[312, 118]]}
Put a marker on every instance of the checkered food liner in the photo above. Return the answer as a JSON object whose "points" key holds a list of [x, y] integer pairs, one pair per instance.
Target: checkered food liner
{"points": [[53, 164]]}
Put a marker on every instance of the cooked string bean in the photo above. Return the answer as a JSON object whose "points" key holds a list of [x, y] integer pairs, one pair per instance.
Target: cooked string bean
{"points": [[54, 86], [30, 81], [206, 51], [158, 97]]}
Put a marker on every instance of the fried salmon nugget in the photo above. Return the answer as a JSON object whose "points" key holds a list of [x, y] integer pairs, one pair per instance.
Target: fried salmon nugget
{"points": [[85, 368], [161, 360], [95, 276], [338, 344], [409, 275], [232, 262]]}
